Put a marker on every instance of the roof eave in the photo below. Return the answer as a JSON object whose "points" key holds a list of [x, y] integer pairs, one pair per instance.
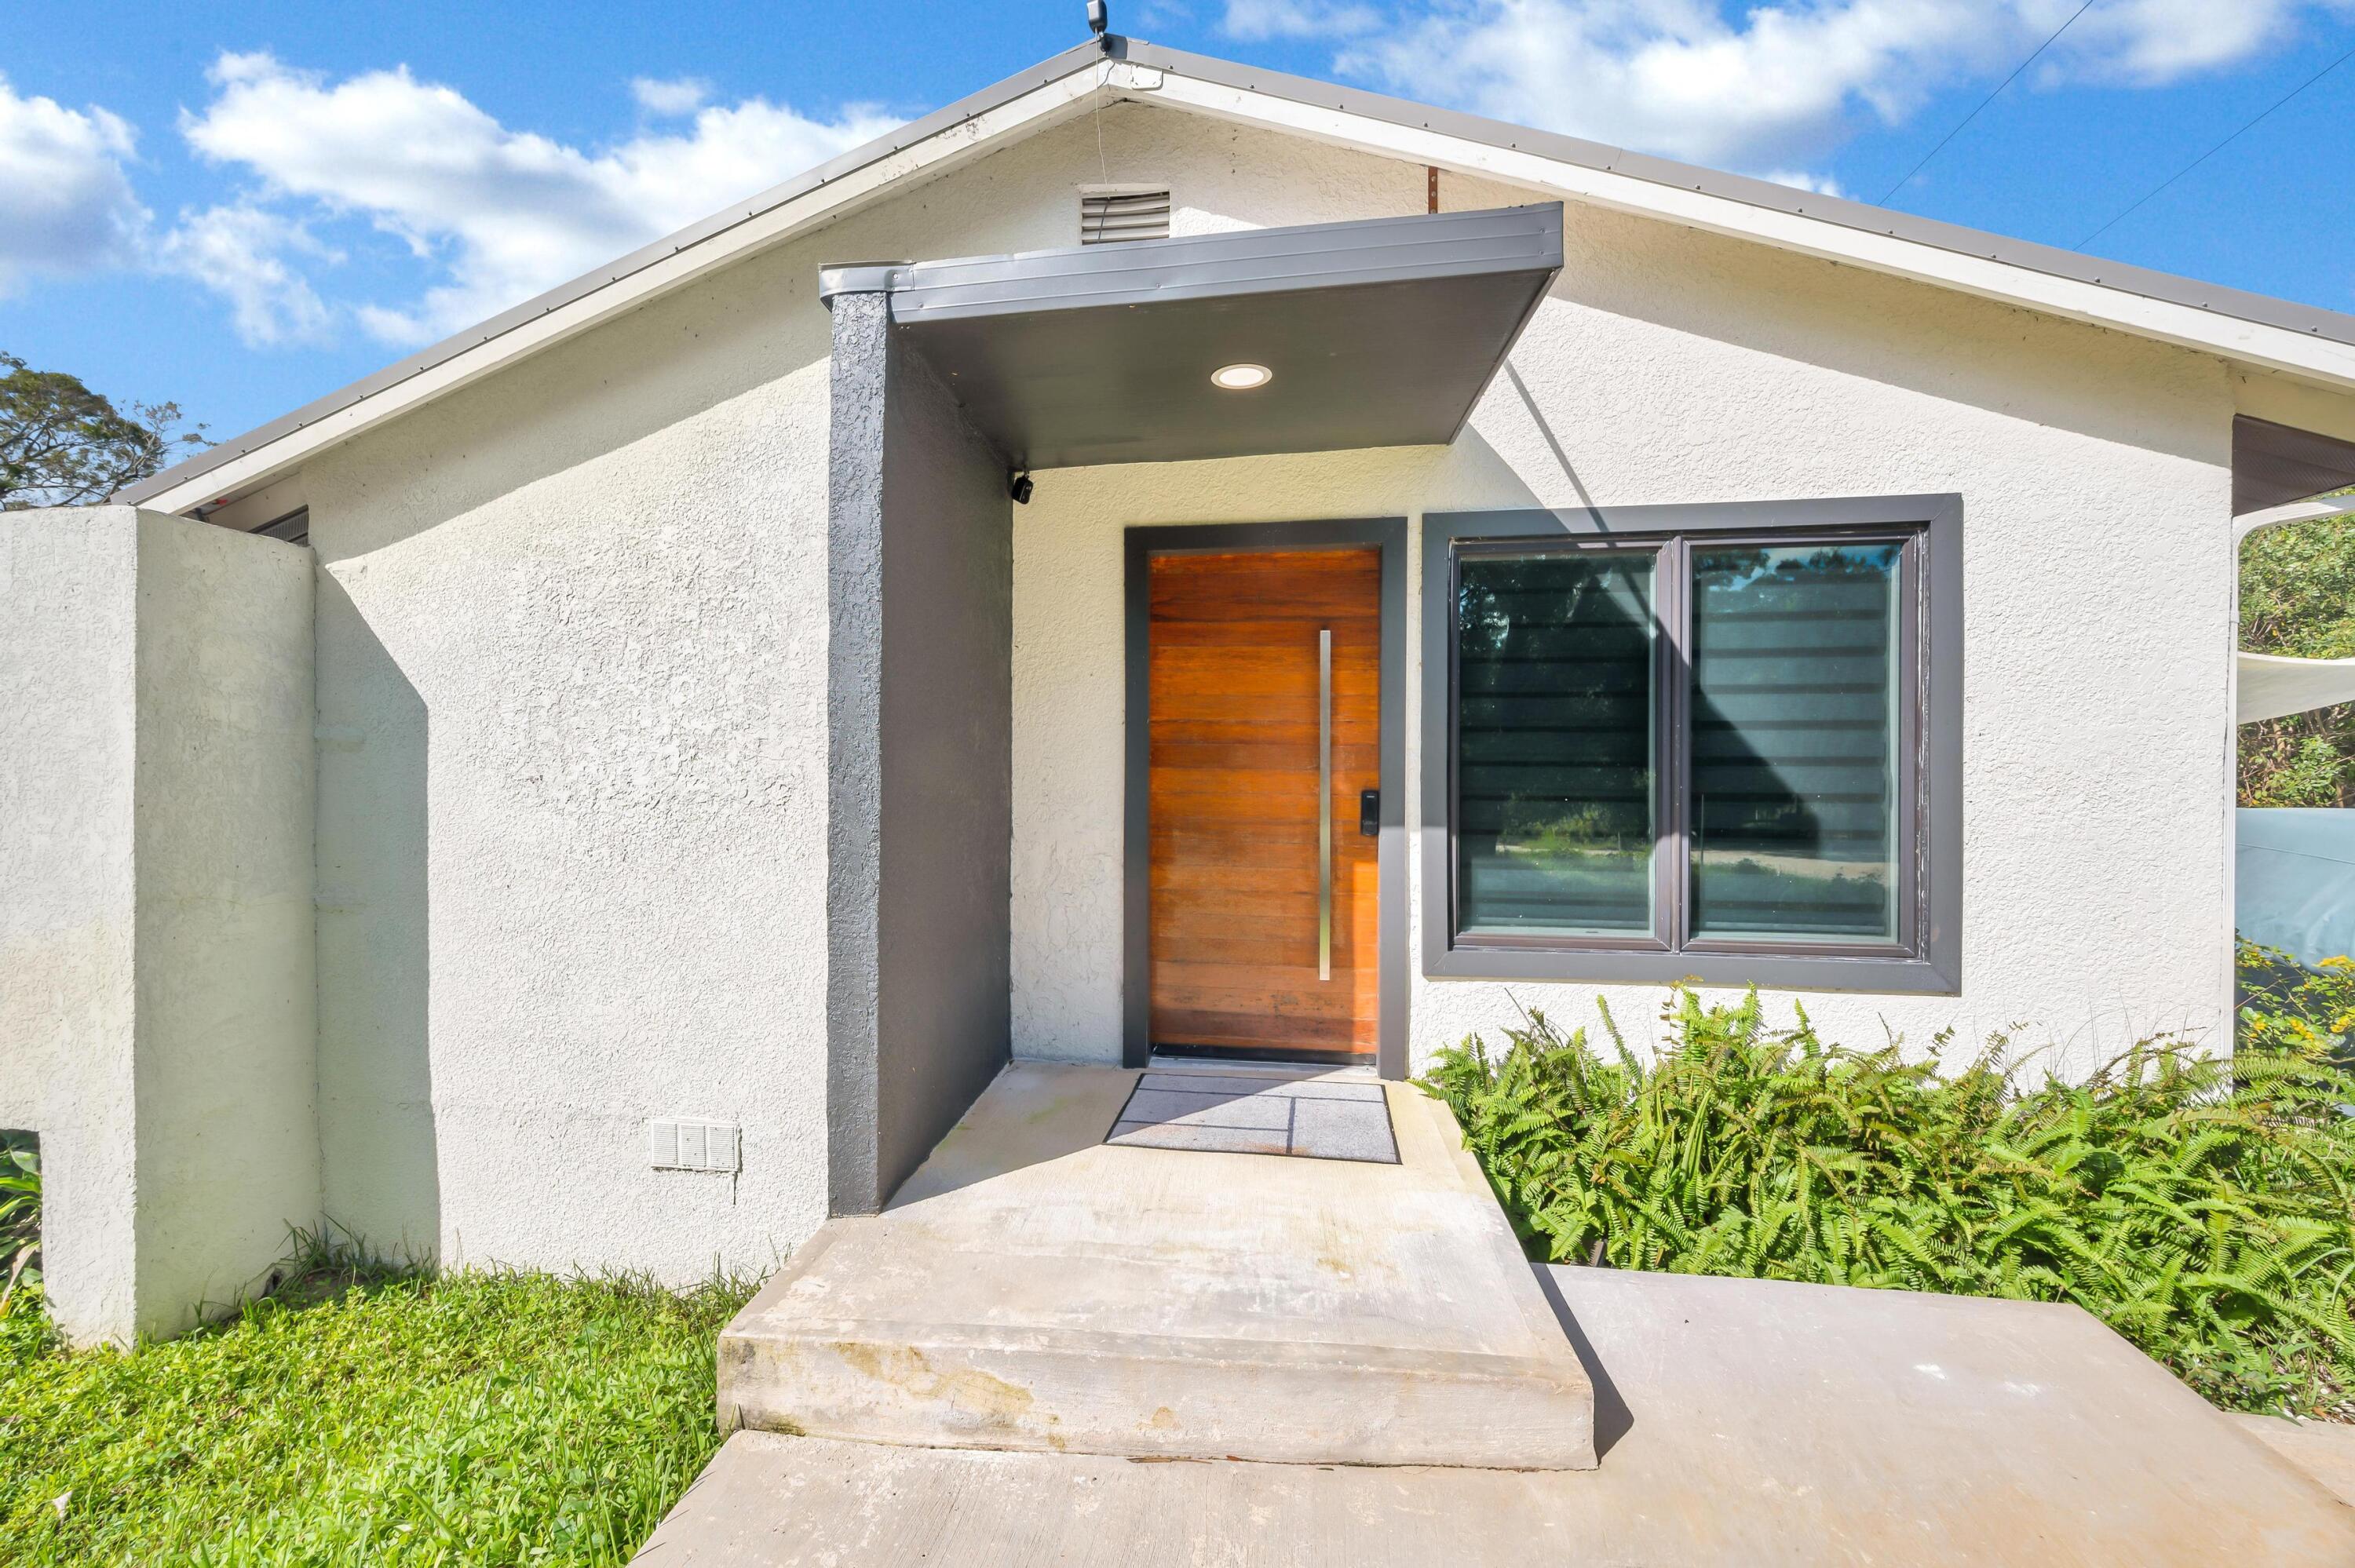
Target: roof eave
{"points": [[2251, 329], [1766, 196]]}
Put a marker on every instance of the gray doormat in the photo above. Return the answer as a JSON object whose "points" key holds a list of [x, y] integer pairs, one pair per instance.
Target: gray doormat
{"points": [[1315, 1117]]}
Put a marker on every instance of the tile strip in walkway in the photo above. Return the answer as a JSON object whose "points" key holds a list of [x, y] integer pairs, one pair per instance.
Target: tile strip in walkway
{"points": [[1324, 1117]]}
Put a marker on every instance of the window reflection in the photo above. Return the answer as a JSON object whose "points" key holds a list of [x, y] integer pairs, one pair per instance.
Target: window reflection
{"points": [[1555, 710], [1795, 741]]}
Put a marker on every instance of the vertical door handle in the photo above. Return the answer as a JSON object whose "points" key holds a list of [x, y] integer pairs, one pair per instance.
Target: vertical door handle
{"points": [[1325, 804]]}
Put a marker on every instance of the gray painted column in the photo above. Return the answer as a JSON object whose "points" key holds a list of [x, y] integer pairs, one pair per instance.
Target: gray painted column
{"points": [[854, 745], [919, 754]]}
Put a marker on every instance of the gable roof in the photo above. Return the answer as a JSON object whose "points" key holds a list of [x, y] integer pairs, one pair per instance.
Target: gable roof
{"points": [[2256, 330]]}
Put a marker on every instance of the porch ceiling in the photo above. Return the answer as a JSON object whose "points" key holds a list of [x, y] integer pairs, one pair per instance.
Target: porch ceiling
{"points": [[1379, 333]]}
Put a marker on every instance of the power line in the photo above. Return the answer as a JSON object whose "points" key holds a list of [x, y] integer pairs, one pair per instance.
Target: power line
{"points": [[2212, 152], [1990, 98]]}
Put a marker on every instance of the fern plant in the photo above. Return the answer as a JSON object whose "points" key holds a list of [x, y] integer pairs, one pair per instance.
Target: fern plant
{"points": [[2205, 1209], [20, 1217]]}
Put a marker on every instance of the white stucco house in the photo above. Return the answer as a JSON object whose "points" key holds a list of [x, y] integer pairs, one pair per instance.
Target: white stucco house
{"points": [[1157, 554]]}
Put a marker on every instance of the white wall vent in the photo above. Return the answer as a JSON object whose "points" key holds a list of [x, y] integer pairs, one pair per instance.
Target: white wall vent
{"points": [[690, 1143], [1114, 215]]}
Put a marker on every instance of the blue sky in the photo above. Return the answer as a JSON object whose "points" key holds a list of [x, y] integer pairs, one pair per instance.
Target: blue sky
{"points": [[240, 207]]}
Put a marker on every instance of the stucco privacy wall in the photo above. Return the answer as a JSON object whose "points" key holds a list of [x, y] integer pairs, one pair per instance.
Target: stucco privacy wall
{"points": [[226, 978], [155, 905], [918, 742], [1668, 365], [572, 703], [67, 721]]}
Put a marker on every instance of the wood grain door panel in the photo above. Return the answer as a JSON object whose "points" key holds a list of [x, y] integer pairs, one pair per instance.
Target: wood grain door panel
{"points": [[1232, 798]]}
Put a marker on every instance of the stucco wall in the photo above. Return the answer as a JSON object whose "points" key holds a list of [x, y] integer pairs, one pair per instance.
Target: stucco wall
{"points": [[571, 636], [155, 920], [572, 663], [1669, 366]]}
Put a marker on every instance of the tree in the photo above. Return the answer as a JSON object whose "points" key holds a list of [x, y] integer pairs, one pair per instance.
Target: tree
{"points": [[62, 444], [2298, 599]]}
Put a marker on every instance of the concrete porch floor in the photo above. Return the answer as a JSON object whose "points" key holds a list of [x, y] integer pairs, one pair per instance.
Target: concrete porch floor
{"points": [[1033, 1287]]}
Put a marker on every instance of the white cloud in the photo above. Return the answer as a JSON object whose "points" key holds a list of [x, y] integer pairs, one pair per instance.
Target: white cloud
{"points": [[1800, 179], [1675, 76], [241, 253], [1783, 79], [682, 95], [65, 204], [2148, 43], [498, 213]]}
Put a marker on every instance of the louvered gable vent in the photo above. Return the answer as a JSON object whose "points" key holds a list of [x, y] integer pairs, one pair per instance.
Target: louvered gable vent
{"points": [[1112, 215]]}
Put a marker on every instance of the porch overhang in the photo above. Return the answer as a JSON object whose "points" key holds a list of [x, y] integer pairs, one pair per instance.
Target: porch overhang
{"points": [[2276, 463], [1380, 333]]}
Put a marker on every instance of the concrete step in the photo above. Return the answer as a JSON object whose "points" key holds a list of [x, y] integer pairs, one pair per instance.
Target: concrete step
{"points": [[1031, 1288], [1746, 1422]]}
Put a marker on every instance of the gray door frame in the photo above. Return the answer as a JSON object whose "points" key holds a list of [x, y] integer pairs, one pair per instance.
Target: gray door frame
{"points": [[1141, 544]]}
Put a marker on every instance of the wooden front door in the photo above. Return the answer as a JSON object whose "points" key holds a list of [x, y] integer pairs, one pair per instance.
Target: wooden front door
{"points": [[1253, 719]]}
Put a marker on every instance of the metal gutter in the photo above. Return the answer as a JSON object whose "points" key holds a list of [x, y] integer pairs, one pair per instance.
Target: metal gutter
{"points": [[1520, 240]]}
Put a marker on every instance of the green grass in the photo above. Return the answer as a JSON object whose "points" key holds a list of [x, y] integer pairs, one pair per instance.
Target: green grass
{"points": [[367, 1417], [2205, 1211]]}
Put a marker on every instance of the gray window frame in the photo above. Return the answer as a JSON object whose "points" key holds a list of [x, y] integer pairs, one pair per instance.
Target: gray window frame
{"points": [[1926, 959]]}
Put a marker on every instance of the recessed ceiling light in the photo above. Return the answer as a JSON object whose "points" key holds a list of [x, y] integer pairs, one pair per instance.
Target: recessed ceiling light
{"points": [[1242, 377]]}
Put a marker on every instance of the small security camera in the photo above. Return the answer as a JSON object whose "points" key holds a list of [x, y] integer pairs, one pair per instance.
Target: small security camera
{"points": [[1098, 18], [1018, 482]]}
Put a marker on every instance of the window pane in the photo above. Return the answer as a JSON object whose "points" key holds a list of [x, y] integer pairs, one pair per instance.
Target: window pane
{"points": [[1794, 742], [1554, 743]]}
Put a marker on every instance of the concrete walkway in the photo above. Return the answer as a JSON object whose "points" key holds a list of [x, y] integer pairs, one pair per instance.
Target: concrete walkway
{"points": [[981, 1372], [2324, 1450], [1743, 1421]]}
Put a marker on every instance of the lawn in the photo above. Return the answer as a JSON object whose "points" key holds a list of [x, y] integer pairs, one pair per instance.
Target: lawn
{"points": [[367, 1417]]}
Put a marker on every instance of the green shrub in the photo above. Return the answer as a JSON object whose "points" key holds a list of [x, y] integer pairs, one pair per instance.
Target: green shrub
{"points": [[2200, 1208], [2285, 1006]]}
